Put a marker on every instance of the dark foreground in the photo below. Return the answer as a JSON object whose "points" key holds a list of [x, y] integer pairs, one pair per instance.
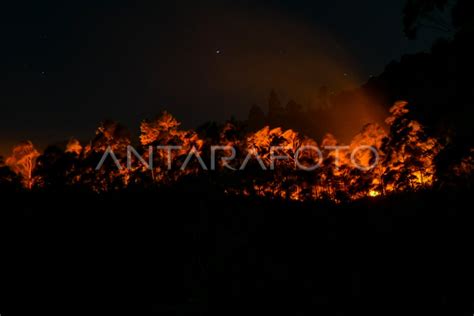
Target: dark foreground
{"points": [[184, 252]]}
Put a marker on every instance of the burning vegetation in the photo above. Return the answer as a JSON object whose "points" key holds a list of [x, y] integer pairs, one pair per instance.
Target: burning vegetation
{"points": [[399, 157]]}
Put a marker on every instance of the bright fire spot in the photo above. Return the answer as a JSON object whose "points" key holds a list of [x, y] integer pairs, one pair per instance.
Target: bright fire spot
{"points": [[373, 193]]}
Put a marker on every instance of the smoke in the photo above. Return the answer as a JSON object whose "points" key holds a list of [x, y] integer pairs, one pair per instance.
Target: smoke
{"points": [[239, 55], [198, 62]]}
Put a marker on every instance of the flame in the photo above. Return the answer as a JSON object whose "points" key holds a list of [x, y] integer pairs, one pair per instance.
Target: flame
{"points": [[373, 193], [405, 160], [74, 147], [23, 161]]}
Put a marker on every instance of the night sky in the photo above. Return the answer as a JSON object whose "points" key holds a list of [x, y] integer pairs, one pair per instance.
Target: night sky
{"points": [[67, 65]]}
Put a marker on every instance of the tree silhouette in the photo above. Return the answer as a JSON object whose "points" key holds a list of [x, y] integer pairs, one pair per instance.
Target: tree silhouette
{"points": [[256, 118], [9, 181], [432, 14], [462, 15], [58, 169], [424, 13], [275, 110], [322, 101]]}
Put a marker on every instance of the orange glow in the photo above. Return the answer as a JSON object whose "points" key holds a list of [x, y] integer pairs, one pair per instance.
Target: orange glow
{"points": [[404, 160]]}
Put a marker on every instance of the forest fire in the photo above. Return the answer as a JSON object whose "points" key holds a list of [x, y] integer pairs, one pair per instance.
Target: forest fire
{"points": [[270, 162], [219, 157]]}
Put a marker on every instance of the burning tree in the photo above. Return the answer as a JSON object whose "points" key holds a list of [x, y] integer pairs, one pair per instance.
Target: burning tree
{"points": [[111, 138], [160, 130], [164, 132], [23, 161], [111, 134], [265, 146], [409, 152], [363, 180]]}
